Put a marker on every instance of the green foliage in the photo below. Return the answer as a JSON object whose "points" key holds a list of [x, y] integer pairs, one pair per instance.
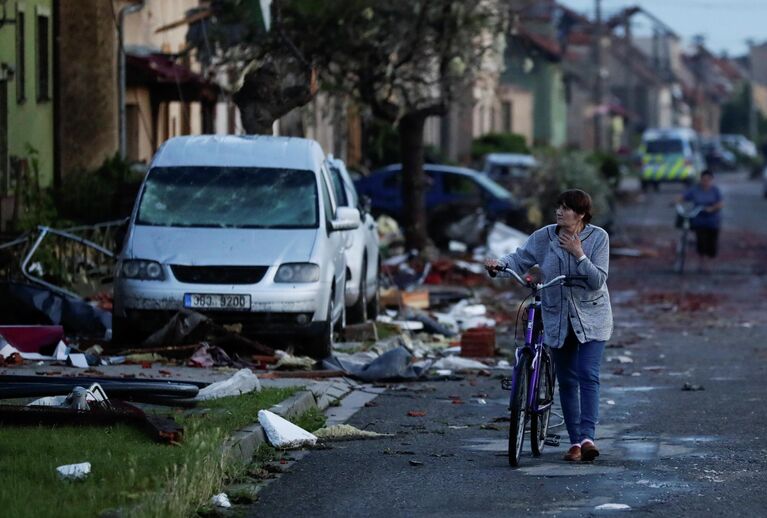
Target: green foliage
{"points": [[382, 147], [562, 170], [311, 420], [100, 195], [498, 143], [736, 115], [382, 144], [36, 205], [608, 166]]}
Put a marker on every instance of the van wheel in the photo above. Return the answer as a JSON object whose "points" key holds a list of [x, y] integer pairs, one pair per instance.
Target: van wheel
{"points": [[358, 313], [374, 305], [323, 343]]}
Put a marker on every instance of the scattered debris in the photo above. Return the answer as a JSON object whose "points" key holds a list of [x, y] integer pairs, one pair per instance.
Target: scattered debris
{"points": [[478, 342], [345, 432], [100, 413], [32, 339], [221, 500], [612, 507], [282, 433], [620, 359], [503, 239], [289, 362], [241, 382], [456, 363], [143, 390], [391, 365], [74, 471], [361, 332]]}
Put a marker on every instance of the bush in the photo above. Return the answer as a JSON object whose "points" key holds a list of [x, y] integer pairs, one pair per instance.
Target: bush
{"points": [[101, 195], [562, 170], [498, 143]]}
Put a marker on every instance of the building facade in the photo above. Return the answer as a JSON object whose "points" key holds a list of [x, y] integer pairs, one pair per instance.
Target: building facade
{"points": [[26, 99]]}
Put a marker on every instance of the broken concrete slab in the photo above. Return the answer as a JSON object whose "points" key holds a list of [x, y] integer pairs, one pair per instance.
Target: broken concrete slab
{"points": [[283, 434]]}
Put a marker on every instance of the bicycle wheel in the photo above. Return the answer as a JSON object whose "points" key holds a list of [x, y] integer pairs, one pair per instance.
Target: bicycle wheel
{"points": [[539, 423], [518, 409]]}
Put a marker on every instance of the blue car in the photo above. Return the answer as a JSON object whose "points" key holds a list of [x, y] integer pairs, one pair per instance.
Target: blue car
{"points": [[453, 192]]}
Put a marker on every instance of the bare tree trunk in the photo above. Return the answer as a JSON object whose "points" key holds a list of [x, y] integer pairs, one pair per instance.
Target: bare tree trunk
{"points": [[414, 184], [268, 93]]}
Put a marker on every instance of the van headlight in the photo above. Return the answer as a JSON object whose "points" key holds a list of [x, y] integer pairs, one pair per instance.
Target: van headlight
{"points": [[141, 270], [298, 272]]}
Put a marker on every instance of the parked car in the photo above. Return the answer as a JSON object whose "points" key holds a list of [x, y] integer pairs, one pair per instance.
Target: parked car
{"points": [[244, 229], [362, 253], [453, 193], [670, 155], [717, 156], [508, 166], [740, 144]]}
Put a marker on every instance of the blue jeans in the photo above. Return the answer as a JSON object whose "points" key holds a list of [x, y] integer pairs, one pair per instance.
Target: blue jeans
{"points": [[577, 368]]}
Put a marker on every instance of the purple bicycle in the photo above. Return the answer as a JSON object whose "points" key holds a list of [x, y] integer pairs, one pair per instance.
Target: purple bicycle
{"points": [[532, 382]]}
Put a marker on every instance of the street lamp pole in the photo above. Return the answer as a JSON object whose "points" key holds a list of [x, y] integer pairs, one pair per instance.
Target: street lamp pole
{"points": [[128, 9]]}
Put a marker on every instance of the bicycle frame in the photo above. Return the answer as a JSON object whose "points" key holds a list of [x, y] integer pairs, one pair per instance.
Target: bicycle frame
{"points": [[534, 344], [681, 252]]}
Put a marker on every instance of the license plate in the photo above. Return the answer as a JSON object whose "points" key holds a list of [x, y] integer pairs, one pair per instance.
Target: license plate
{"points": [[211, 301]]}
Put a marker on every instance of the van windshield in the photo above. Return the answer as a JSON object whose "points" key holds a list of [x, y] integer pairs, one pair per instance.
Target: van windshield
{"points": [[229, 197], [664, 146]]}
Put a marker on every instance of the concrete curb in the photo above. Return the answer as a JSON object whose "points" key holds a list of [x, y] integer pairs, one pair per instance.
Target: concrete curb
{"points": [[243, 444]]}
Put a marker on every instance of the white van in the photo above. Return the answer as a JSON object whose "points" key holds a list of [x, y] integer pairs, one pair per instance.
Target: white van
{"points": [[670, 155], [244, 229]]}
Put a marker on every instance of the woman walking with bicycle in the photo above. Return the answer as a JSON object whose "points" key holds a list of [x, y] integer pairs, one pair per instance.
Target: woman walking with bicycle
{"points": [[706, 224], [577, 318]]}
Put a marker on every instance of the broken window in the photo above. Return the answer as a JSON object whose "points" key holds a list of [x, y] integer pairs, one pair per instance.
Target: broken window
{"points": [[229, 197]]}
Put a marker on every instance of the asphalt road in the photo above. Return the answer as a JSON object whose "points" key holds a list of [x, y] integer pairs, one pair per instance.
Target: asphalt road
{"points": [[665, 451]]}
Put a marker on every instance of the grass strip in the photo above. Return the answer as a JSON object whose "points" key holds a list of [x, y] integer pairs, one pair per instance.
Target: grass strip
{"points": [[129, 471]]}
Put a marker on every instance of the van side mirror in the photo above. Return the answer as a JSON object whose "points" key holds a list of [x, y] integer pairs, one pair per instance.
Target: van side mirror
{"points": [[347, 218]]}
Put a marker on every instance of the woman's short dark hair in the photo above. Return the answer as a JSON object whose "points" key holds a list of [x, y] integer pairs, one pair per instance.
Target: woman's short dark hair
{"points": [[578, 200]]}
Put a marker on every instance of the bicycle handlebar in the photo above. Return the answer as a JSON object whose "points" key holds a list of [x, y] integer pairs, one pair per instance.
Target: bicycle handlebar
{"points": [[682, 211], [527, 282]]}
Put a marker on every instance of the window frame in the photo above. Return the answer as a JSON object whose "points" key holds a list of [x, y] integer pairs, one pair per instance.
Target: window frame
{"points": [[43, 70], [21, 51]]}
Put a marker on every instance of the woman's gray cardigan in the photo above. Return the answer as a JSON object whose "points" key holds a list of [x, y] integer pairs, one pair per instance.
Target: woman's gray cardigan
{"points": [[587, 303]]}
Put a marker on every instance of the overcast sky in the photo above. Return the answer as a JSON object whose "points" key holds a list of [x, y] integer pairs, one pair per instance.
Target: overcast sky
{"points": [[726, 24]]}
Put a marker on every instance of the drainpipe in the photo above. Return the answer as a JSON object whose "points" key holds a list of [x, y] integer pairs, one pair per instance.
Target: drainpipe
{"points": [[128, 9]]}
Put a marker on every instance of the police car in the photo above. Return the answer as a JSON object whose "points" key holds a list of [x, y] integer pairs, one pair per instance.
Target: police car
{"points": [[670, 155]]}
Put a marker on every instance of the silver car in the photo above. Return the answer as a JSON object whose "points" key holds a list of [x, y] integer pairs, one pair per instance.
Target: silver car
{"points": [[362, 253], [243, 229]]}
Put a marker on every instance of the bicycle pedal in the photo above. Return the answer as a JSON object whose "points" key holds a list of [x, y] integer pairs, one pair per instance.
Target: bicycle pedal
{"points": [[551, 440], [506, 383]]}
